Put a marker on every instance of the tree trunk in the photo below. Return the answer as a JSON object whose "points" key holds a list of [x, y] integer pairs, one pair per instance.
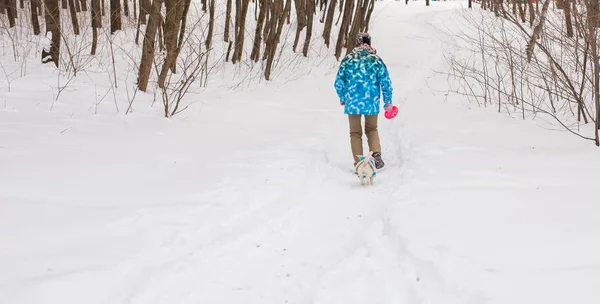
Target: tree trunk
{"points": [[342, 9], [52, 18], [211, 24], [227, 21], [267, 22], [593, 15], [276, 13], [531, 11], [264, 7], [536, 32], [497, 4], [287, 12], [35, 21], [84, 6], [115, 16], [300, 19], [369, 14], [278, 19], [144, 11], [184, 14], [329, 22], [343, 33], [96, 24], [11, 12], [74, 17], [171, 31], [596, 68], [148, 46], [161, 27], [568, 20], [310, 13], [359, 16], [126, 7], [521, 11], [240, 29]]}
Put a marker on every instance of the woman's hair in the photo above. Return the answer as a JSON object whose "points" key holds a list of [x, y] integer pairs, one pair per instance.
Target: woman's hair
{"points": [[363, 38]]}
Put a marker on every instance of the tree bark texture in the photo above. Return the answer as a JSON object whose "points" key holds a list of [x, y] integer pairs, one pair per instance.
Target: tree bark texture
{"points": [[329, 22], [240, 29], [35, 21], [52, 18], [310, 13], [264, 7], [148, 46], [174, 9], [74, 20]]}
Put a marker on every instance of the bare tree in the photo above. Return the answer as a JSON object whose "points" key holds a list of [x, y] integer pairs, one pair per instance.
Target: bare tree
{"points": [[11, 11], [301, 20], [278, 13], [115, 16], [329, 22], [556, 74], [35, 22], [343, 33], [264, 7], [310, 12], [211, 24], [148, 46], [174, 10], [227, 21], [241, 7], [74, 20], [96, 24], [52, 17]]}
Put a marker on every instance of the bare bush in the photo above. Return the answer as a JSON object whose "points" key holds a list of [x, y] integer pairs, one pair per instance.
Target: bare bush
{"points": [[532, 68], [177, 85]]}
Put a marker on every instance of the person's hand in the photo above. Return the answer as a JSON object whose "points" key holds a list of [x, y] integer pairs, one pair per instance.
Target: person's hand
{"points": [[388, 106]]}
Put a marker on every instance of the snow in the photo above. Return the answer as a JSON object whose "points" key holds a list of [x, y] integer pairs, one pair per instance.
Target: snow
{"points": [[246, 197]]}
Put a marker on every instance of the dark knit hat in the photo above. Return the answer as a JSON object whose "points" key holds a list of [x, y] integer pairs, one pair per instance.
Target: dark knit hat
{"points": [[363, 38]]}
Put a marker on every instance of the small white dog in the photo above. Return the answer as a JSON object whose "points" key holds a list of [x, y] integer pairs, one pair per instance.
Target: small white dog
{"points": [[365, 169]]}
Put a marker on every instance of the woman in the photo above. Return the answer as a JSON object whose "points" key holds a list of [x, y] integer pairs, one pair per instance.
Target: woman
{"points": [[361, 78]]}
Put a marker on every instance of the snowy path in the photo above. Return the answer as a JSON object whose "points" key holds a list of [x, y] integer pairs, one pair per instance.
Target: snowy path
{"points": [[258, 206]]}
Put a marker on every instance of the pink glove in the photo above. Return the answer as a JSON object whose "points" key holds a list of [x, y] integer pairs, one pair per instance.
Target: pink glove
{"points": [[388, 107]]}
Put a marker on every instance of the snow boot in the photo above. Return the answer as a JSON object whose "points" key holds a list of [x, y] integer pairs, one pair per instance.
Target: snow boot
{"points": [[378, 161]]}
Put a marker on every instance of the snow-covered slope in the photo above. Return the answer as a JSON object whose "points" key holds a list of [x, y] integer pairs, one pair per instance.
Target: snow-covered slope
{"points": [[247, 198]]}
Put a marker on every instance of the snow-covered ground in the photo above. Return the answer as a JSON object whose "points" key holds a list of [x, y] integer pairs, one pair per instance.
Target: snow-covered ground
{"points": [[247, 197]]}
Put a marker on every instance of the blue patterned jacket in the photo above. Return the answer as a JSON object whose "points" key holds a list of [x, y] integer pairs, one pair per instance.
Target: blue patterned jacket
{"points": [[361, 78]]}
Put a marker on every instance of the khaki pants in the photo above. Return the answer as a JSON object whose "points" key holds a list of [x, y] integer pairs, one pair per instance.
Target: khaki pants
{"points": [[356, 132]]}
